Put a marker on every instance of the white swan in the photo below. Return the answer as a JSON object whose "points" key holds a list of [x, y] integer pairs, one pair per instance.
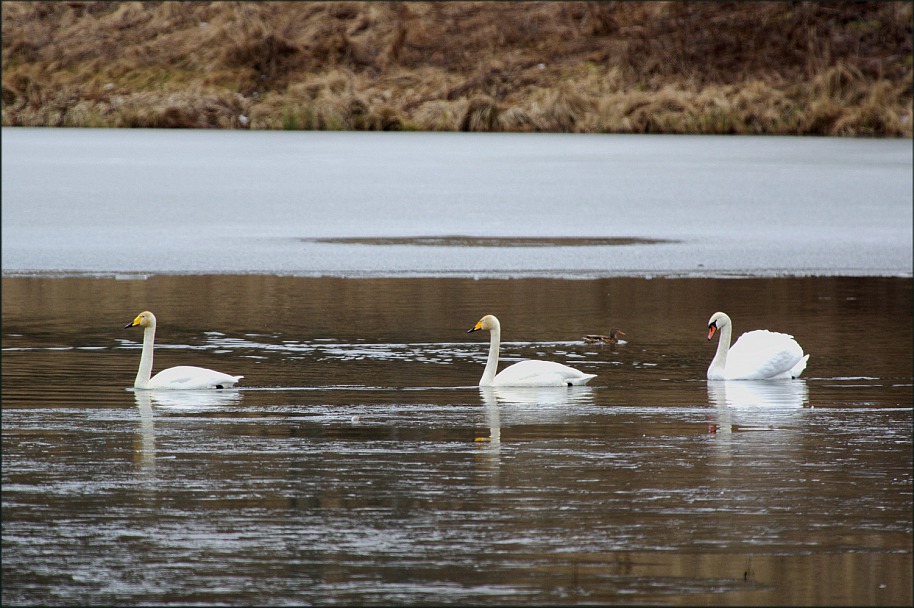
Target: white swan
{"points": [[525, 373], [757, 355], [182, 377]]}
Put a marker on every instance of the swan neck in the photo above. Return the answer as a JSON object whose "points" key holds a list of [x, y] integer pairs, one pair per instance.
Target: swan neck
{"points": [[723, 347], [488, 375], [145, 371]]}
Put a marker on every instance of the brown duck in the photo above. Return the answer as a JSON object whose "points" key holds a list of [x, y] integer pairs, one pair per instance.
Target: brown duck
{"points": [[610, 339]]}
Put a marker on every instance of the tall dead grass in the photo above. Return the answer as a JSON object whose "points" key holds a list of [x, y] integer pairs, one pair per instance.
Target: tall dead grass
{"points": [[611, 67]]}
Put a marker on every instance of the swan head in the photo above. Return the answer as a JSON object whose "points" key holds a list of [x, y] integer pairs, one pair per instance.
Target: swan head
{"points": [[144, 319], [488, 322], [717, 322]]}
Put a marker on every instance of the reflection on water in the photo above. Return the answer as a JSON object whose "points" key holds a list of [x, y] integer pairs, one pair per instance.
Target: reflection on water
{"points": [[147, 401], [534, 404], [755, 404], [493, 418], [189, 400], [758, 393], [542, 397], [146, 450], [361, 464], [769, 413]]}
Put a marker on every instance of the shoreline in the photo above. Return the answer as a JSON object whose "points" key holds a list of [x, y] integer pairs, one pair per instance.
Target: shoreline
{"points": [[457, 275]]}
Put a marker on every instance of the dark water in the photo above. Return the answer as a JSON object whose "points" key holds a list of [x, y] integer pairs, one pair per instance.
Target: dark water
{"points": [[360, 464]]}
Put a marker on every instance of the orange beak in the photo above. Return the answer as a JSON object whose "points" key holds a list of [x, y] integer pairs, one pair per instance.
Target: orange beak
{"points": [[711, 330]]}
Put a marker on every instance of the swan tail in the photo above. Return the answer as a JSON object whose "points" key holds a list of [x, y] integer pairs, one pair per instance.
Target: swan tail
{"points": [[797, 369], [584, 379]]}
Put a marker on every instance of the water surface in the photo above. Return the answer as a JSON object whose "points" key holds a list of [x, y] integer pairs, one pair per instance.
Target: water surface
{"points": [[359, 464]]}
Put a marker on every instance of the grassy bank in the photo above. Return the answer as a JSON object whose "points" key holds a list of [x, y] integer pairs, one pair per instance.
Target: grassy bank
{"points": [[604, 67]]}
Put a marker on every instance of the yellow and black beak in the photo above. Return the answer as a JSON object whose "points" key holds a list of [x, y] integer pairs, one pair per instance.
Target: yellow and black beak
{"points": [[476, 327], [133, 324]]}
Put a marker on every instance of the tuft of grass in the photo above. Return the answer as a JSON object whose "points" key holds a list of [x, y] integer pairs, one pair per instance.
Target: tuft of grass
{"points": [[482, 114]]}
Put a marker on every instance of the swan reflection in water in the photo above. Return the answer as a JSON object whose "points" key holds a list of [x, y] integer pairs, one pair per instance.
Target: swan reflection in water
{"points": [[761, 405], [493, 418], [146, 450], [756, 421], [546, 404], [184, 400], [192, 399], [758, 393], [545, 397]]}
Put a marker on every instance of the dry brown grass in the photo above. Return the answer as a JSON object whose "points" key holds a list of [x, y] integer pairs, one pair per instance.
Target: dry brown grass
{"points": [[608, 67]]}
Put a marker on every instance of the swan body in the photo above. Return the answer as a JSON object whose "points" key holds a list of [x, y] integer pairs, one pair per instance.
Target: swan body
{"points": [[612, 338], [182, 377], [525, 373], [757, 355]]}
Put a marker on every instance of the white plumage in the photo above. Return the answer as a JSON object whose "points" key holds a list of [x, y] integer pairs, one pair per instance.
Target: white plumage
{"points": [[525, 373], [756, 355], [182, 377]]}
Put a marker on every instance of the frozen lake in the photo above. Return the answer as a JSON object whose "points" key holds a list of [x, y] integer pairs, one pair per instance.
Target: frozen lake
{"points": [[397, 204]]}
